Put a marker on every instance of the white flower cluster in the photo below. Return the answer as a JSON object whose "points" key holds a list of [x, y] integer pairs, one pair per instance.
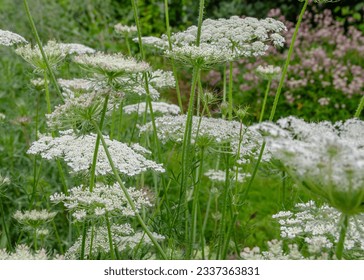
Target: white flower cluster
{"points": [[328, 158], [81, 111], [162, 79], [103, 199], [8, 38], [75, 48], [275, 252], [123, 236], [124, 29], [318, 227], [78, 154], [23, 252], [222, 40], [220, 175], [268, 72], [55, 55], [77, 85], [204, 56], [34, 216], [172, 128], [111, 63], [158, 107]]}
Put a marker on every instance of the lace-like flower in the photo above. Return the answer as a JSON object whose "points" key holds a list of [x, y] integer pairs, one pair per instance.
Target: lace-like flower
{"points": [[158, 107], [78, 154], [8, 38]]}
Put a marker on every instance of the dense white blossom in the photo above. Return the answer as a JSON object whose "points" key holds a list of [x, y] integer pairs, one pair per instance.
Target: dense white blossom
{"points": [[81, 111], [123, 236], [172, 128], [75, 48], [158, 107], [220, 175], [78, 154], [84, 204], [275, 251], [319, 227], [162, 79], [8, 38], [203, 56], [23, 252], [125, 29], [268, 72], [111, 63], [34, 218], [326, 158], [53, 51]]}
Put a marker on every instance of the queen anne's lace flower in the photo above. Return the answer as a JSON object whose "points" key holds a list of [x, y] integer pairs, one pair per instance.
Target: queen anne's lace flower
{"points": [[78, 154], [55, 55], [220, 175], [123, 236], [158, 107], [23, 252], [318, 227], [162, 79], [75, 48], [34, 216], [328, 159], [124, 29], [84, 204], [216, 130], [111, 63], [268, 72], [8, 38]]}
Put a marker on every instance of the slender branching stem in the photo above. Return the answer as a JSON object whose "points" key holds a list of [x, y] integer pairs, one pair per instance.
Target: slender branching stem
{"points": [[126, 193], [44, 56]]}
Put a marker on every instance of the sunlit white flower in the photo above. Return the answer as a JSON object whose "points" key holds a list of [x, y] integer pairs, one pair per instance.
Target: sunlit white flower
{"points": [[23, 252], [86, 204], [78, 154]]}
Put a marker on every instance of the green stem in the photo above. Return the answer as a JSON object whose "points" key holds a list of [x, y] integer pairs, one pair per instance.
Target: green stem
{"points": [[109, 236], [265, 101], [126, 193], [48, 100], [288, 59], [360, 108], [230, 93], [344, 222], [224, 210], [35, 33], [83, 241], [97, 145], [5, 227], [195, 201], [174, 69], [199, 24], [186, 146]]}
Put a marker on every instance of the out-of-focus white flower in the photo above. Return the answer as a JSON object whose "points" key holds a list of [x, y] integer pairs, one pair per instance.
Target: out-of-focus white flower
{"points": [[33, 55], [8, 38], [158, 107], [23, 252], [75, 48], [125, 29], [269, 72], [326, 158]]}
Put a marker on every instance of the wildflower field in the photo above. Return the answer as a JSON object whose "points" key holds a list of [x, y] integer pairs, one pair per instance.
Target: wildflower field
{"points": [[181, 130]]}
